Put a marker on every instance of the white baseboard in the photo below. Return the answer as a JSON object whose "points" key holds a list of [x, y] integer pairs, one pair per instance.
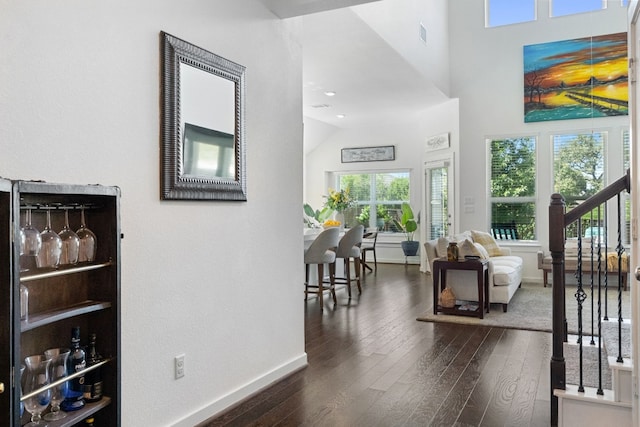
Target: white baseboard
{"points": [[243, 392]]}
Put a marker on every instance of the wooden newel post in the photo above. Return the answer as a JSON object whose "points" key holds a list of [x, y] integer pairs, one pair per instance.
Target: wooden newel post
{"points": [[557, 210]]}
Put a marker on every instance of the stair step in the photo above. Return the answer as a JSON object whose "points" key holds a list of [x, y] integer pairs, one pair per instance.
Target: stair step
{"points": [[588, 408], [621, 379]]}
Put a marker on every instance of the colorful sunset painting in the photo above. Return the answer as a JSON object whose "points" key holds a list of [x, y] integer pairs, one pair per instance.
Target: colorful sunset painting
{"points": [[576, 79]]}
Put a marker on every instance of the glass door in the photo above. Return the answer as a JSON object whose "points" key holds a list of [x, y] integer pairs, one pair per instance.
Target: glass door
{"points": [[438, 183], [438, 197]]}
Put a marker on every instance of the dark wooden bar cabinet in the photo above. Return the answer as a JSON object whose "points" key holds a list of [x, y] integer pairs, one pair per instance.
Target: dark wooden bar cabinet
{"points": [[86, 294]]}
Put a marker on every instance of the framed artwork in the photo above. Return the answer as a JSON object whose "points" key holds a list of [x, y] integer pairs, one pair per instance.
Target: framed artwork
{"points": [[575, 79], [369, 154], [438, 142]]}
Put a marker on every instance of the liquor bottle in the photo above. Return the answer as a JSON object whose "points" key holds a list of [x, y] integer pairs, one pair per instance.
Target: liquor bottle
{"points": [[93, 378], [76, 362]]}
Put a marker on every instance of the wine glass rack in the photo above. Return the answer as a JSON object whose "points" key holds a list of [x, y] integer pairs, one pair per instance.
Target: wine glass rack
{"points": [[85, 294]]}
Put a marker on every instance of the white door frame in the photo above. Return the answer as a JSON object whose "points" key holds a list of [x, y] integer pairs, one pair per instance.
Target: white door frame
{"points": [[439, 161], [634, 104]]}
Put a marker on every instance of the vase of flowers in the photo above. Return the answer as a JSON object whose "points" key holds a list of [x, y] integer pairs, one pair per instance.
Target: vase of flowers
{"points": [[339, 201]]}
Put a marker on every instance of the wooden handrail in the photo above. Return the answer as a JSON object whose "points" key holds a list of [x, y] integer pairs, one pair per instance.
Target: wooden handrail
{"points": [[559, 219], [622, 184]]}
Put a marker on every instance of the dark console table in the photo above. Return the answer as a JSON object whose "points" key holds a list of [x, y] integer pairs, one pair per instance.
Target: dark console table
{"points": [[440, 267]]}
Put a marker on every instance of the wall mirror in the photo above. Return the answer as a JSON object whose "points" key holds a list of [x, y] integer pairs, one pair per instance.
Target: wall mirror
{"points": [[202, 147]]}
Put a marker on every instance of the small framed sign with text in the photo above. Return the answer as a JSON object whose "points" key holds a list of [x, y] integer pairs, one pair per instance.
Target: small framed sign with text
{"points": [[369, 154], [438, 142]]}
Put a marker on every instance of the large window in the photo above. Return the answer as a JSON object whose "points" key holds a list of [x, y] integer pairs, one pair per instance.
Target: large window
{"points": [[513, 185], [379, 198], [570, 7], [505, 12], [578, 173]]}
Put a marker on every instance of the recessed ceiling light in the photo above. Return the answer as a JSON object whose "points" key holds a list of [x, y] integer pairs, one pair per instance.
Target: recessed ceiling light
{"points": [[330, 93], [340, 116]]}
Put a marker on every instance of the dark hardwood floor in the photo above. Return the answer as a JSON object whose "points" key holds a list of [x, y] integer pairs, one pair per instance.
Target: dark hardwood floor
{"points": [[372, 364]]}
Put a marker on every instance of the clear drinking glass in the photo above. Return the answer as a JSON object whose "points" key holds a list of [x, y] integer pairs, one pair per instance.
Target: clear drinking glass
{"points": [[49, 255], [70, 243], [88, 241], [57, 370], [37, 377], [30, 237]]}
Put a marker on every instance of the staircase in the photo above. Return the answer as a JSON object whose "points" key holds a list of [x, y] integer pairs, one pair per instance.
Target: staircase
{"points": [[588, 407], [578, 404]]}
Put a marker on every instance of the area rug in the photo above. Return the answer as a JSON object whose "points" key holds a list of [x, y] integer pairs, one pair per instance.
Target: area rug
{"points": [[530, 309]]}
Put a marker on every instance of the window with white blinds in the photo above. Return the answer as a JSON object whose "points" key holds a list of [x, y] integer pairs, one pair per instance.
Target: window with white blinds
{"points": [[626, 199], [379, 197], [578, 165], [578, 173], [513, 184]]}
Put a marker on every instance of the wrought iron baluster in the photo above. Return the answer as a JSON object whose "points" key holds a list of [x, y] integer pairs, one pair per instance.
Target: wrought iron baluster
{"points": [[580, 296], [620, 252]]}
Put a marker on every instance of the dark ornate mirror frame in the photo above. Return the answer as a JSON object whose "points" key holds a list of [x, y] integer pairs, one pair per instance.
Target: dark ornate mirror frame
{"points": [[175, 185]]}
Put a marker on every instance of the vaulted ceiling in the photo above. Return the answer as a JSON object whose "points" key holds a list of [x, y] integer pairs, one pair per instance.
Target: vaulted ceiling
{"points": [[344, 53]]}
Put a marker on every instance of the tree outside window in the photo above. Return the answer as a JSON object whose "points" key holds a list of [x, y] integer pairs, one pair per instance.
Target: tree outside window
{"points": [[513, 184], [578, 173], [379, 198]]}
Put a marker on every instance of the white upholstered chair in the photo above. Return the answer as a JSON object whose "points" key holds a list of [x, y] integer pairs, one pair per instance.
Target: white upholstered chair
{"points": [[348, 249], [321, 252]]}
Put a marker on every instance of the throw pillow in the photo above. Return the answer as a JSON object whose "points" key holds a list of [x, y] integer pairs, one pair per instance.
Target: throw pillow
{"points": [[441, 247], [483, 252], [467, 247], [486, 240], [460, 237]]}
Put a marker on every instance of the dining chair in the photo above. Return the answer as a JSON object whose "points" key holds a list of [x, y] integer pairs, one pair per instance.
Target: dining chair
{"points": [[321, 252], [348, 249], [369, 240]]}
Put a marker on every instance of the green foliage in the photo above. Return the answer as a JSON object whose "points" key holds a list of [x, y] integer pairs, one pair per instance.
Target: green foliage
{"points": [[319, 215], [579, 168], [381, 214], [407, 223], [513, 167], [391, 189], [523, 214]]}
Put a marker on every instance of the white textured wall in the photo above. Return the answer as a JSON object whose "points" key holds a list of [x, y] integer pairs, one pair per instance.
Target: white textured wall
{"points": [[398, 23], [220, 282]]}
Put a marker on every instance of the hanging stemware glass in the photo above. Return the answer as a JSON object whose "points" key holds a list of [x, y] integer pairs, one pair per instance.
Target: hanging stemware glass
{"points": [[57, 370], [49, 255], [30, 242], [88, 241], [70, 242], [37, 377]]}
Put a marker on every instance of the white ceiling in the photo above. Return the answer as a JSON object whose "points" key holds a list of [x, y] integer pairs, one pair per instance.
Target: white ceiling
{"points": [[342, 53], [290, 8]]}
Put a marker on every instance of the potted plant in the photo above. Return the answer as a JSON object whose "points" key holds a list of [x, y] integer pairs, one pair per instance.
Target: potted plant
{"points": [[315, 218], [382, 216], [408, 225]]}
